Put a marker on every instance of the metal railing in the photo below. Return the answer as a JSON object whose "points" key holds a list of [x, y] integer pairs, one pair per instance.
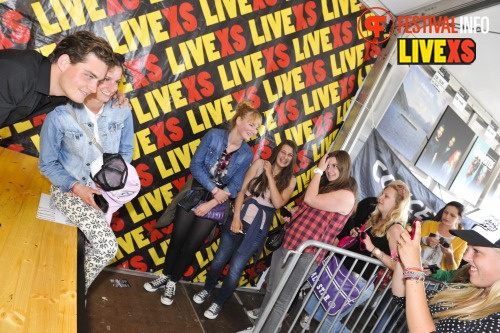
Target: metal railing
{"points": [[375, 315]]}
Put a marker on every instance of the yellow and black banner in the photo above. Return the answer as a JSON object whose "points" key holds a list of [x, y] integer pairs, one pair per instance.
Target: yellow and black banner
{"points": [[189, 63]]}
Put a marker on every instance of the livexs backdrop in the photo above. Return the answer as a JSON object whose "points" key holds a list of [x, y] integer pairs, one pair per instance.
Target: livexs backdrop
{"points": [[189, 63]]}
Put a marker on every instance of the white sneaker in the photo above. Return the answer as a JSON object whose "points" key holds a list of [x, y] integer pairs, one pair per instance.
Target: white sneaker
{"points": [[305, 322], [247, 330], [154, 285], [201, 296], [213, 311], [168, 295], [253, 314]]}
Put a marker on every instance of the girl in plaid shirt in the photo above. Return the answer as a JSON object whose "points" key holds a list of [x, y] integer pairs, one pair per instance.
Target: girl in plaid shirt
{"points": [[328, 202]]}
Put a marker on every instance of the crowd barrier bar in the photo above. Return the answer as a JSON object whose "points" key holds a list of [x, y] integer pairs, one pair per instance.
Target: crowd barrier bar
{"points": [[364, 319]]}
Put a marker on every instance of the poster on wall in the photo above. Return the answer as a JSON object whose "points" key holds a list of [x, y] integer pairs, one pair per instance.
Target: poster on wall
{"points": [[446, 147], [415, 108], [298, 62], [492, 198], [376, 165], [475, 172]]}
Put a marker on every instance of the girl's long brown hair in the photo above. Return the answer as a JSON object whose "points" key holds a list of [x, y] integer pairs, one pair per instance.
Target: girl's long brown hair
{"points": [[260, 184], [345, 180]]}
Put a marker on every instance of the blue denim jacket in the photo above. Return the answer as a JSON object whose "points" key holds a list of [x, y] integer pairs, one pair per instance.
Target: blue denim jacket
{"points": [[211, 147], [66, 152]]}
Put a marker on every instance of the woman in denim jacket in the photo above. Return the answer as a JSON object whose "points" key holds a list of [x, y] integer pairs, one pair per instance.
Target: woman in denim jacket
{"points": [[219, 165], [66, 154]]}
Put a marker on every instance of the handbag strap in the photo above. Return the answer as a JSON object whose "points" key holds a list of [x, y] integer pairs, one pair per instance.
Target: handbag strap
{"points": [[85, 129], [247, 198]]}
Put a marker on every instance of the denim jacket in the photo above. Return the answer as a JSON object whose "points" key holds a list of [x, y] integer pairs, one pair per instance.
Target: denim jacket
{"points": [[211, 147], [66, 152]]}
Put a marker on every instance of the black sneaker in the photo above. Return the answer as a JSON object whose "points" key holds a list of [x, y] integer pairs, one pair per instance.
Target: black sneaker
{"points": [[213, 311], [156, 284], [201, 296], [168, 295]]}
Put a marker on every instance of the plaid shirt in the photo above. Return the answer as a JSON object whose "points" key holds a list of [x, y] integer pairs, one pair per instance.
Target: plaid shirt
{"points": [[315, 224]]}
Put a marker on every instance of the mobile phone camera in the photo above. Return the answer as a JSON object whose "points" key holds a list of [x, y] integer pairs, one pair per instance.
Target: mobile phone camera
{"points": [[443, 242]]}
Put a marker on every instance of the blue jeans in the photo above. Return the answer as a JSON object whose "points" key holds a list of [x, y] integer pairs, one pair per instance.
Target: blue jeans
{"points": [[227, 250], [320, 313]]}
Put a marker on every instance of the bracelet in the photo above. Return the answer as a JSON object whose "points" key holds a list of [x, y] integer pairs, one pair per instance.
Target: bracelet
{"points": [[394, 256], [414, 275], [371, 252], [414, 268]]}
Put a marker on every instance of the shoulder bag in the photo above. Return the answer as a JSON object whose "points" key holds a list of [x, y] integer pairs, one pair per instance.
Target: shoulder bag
{"points": [[342, 291]]}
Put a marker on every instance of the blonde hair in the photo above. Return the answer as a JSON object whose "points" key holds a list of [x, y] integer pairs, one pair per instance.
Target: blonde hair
{"points": [[397, 215], [245, 109], [458, 298]]}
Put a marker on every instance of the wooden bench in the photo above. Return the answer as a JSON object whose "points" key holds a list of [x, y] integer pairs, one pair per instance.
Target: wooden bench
{"points": [[38, 258]]}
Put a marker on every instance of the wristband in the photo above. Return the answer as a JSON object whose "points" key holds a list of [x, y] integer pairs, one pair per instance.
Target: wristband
{"points": [[414, 268], [318, 171], [414, 275]]}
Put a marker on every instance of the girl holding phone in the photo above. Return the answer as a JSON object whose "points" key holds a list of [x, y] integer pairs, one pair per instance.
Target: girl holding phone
{"points": [[439, 246], [472, 307]]}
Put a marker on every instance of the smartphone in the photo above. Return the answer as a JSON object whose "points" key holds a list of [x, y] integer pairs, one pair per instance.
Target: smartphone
{"points": [[443, 242], [414, 226], [285, 212], [432, 234], [101, 202]]}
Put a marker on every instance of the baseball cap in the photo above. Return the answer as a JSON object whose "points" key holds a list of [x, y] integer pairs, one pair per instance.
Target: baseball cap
{"points": [[486, 233], [109, 171], [118, 198]]}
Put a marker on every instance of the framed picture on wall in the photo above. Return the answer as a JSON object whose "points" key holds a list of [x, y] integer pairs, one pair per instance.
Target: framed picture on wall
{"points": [[446, 147], [412, 113], [475, 172]]}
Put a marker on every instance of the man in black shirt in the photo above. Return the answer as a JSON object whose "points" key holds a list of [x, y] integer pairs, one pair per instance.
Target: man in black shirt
{"points": [[31, 84]]}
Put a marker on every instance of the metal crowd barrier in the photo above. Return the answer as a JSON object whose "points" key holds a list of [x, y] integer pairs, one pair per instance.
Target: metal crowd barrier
{"points": [[377, 315]]}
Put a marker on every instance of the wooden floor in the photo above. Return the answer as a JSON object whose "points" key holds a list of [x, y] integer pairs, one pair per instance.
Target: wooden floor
{"points": [[134, 310]]}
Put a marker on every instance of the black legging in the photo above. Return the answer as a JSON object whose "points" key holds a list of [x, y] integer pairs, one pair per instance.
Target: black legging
{"points": [[187, 235]]}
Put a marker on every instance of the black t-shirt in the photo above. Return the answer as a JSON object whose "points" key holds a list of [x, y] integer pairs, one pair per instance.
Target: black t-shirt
{"points": [[25, 86]]}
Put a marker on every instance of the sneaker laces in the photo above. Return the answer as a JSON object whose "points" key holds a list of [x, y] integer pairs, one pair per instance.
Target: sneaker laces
{"points": [[203, 294], [159, 281], [169, 289], [214, 308]]}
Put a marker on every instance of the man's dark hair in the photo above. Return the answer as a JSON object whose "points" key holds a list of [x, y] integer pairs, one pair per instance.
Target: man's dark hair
{"points": [[79, 45]]}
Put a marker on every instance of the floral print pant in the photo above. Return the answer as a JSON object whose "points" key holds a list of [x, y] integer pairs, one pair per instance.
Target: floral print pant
{"points": [[100, 243]]}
